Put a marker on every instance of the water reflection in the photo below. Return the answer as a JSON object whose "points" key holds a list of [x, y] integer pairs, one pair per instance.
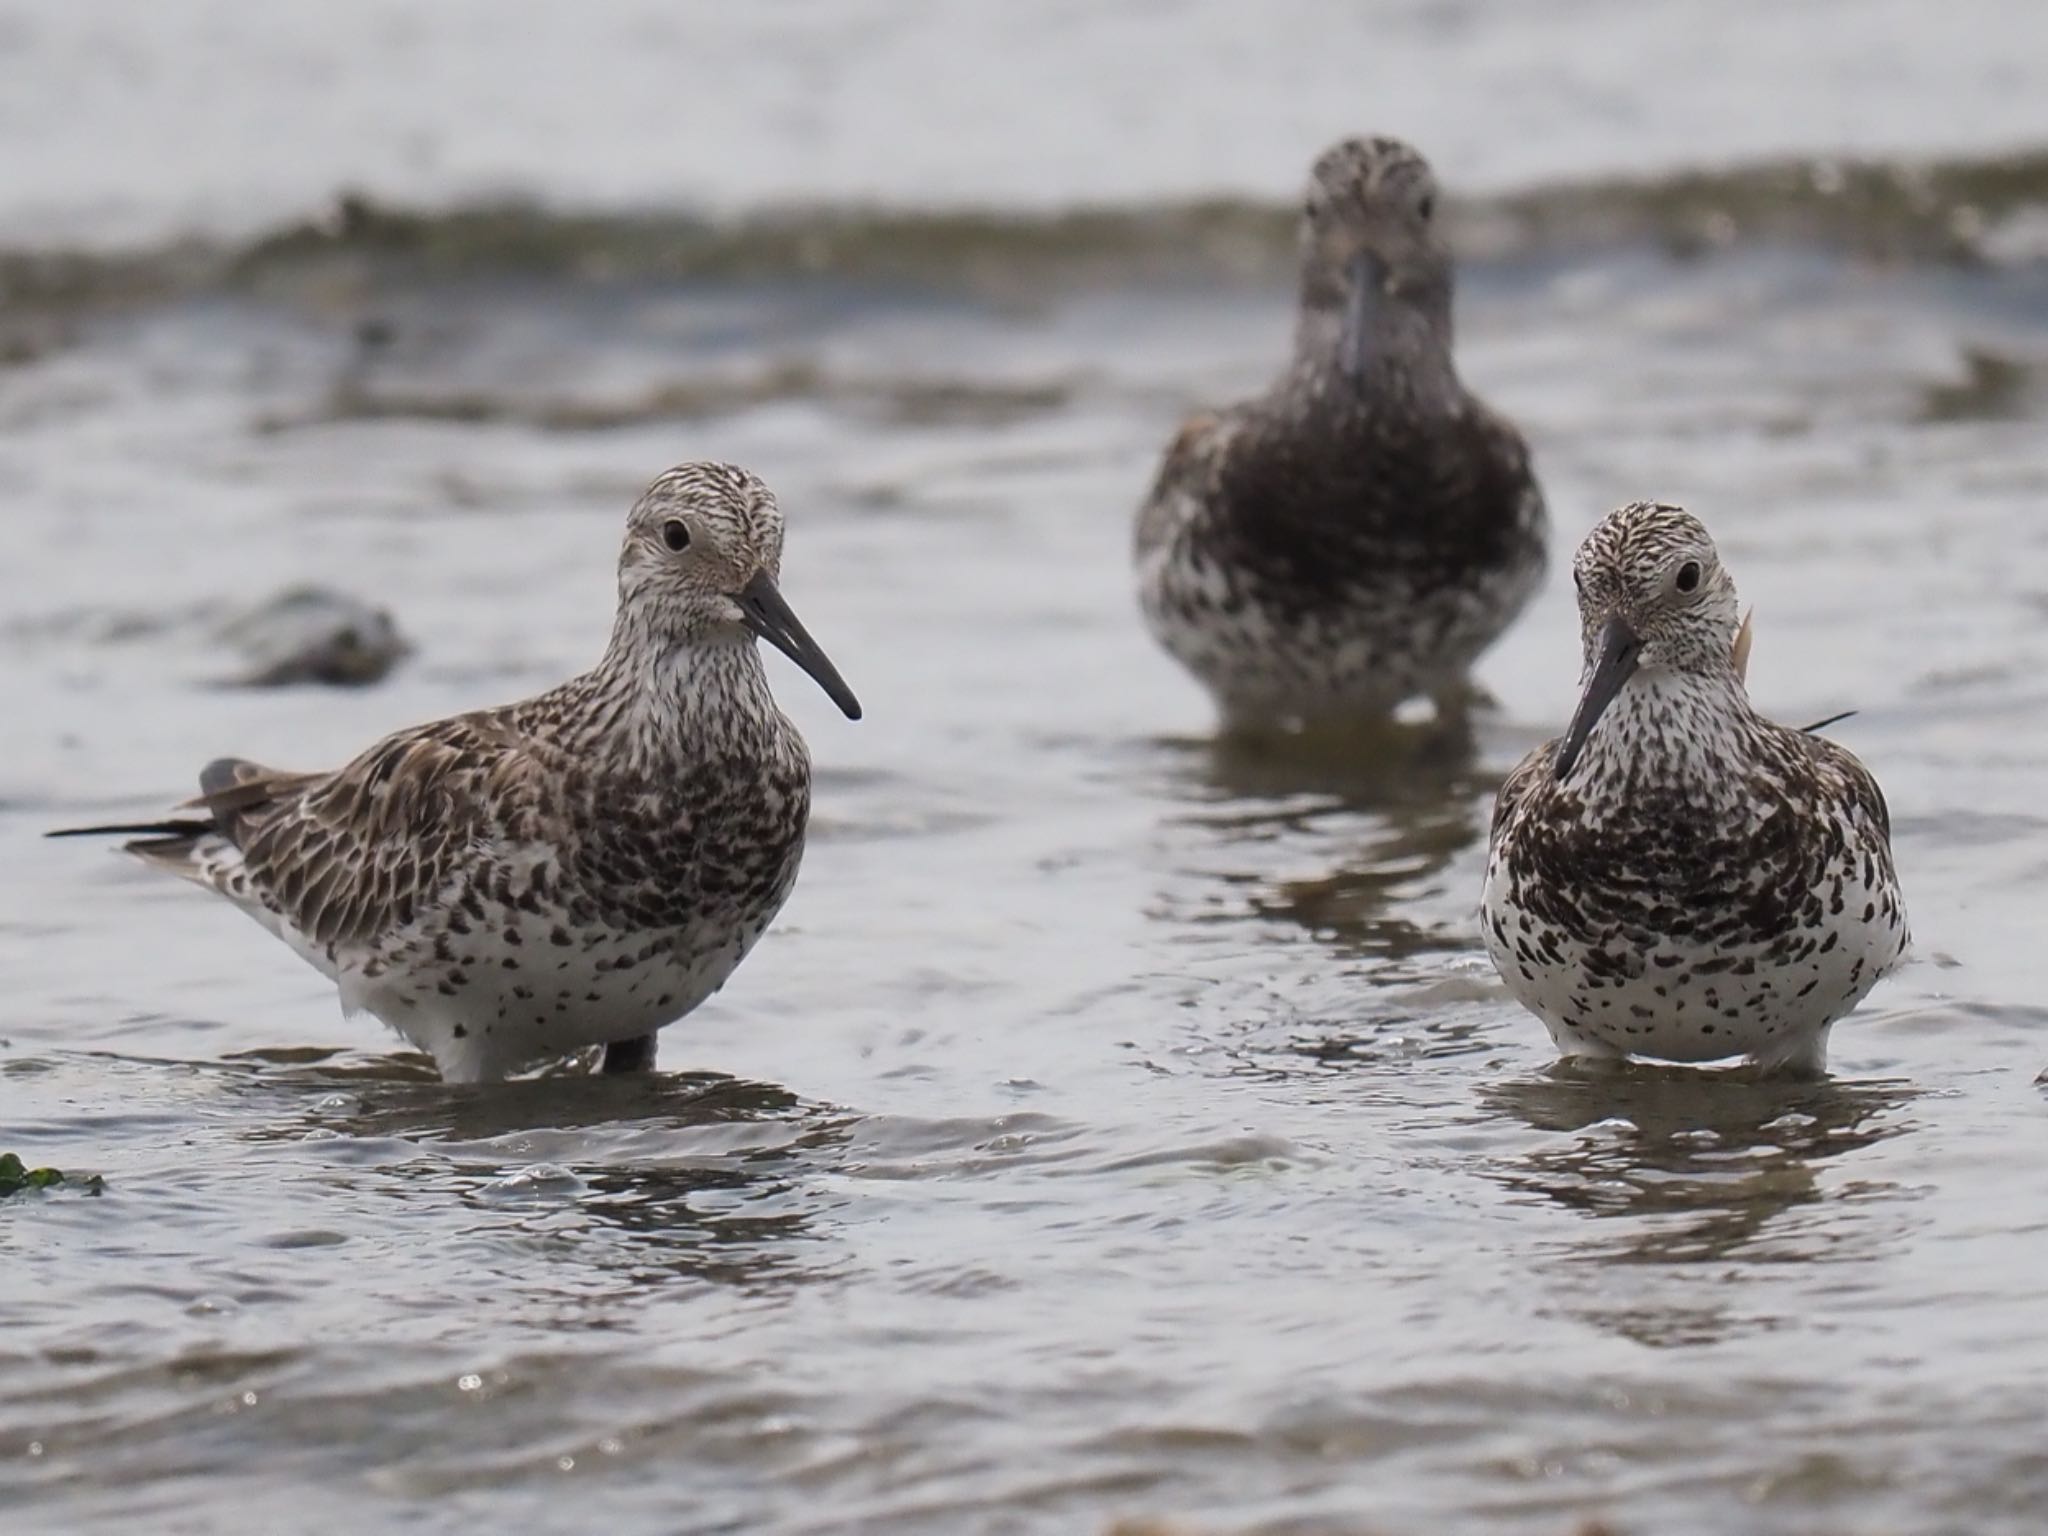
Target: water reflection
{"points": [[1701, 1166], [1385, 811], [662, 1102], [1366, 764], [1376, 901], [599, 1186], [741, 1225], [400, 1094]]}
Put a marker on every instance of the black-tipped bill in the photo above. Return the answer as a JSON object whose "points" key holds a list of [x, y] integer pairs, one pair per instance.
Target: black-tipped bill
{"points": [[1613, 664], [768, 616], [1367, 275]]}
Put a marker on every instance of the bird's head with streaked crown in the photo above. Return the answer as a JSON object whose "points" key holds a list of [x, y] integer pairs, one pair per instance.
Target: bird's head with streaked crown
{"points": [[701, 564], [1654, 598], [1375, 271]]}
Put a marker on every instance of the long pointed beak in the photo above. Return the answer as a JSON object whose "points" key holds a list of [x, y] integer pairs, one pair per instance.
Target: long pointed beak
{"points": [[1367, 275], [768, 616], [1613, 664]]}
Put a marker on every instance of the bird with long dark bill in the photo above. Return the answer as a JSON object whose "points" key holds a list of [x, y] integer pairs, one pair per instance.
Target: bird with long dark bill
{"points": [[582, 868], [1676, 876], [1358, 534]]}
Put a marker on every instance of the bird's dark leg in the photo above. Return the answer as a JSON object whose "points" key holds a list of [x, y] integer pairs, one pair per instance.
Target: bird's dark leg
{"points": [[623, 1056]]}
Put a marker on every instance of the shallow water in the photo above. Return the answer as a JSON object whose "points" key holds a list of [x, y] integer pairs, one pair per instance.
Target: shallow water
{"points": [[1115, 1126]]}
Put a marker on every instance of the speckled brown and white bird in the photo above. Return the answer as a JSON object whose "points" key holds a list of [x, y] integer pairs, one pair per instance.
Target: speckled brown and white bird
{"points": [[1677, 877], [580, 868], [1357, 535]]}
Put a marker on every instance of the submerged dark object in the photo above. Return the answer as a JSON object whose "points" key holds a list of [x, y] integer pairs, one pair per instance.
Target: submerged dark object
{"points": [[313, 634], [16, 1176]]}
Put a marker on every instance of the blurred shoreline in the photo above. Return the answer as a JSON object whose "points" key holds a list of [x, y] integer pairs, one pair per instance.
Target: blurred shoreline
{"points": [[1972, 212]]}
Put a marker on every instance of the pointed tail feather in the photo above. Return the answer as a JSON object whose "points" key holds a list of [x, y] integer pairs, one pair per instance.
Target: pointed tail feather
{"points": [[174, 846], [229, 788], [155, 829], [1821, 725], [1744, 634]]}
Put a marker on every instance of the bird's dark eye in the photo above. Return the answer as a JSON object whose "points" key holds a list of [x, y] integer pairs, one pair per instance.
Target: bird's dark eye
{"points": [[675, 535], [1688, 575], [1427, 206]]}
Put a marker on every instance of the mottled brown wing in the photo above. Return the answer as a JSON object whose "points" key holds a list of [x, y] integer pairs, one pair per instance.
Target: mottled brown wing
{"points": [[1855, 784], [239, 794], [1315, 514], [350, 855], [1515, 789], [1474, 475], [1188, 468]]}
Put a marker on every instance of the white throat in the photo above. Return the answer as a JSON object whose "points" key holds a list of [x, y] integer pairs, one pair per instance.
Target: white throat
{"points": [[1681, 731]]}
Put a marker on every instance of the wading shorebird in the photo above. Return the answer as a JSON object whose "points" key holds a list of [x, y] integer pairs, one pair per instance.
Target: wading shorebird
{"points": [[1358, 534], [581, 868], [1676, 876]]}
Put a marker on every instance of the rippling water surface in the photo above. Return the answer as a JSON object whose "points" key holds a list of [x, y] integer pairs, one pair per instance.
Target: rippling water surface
{"points": [[1117, 1126]]}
